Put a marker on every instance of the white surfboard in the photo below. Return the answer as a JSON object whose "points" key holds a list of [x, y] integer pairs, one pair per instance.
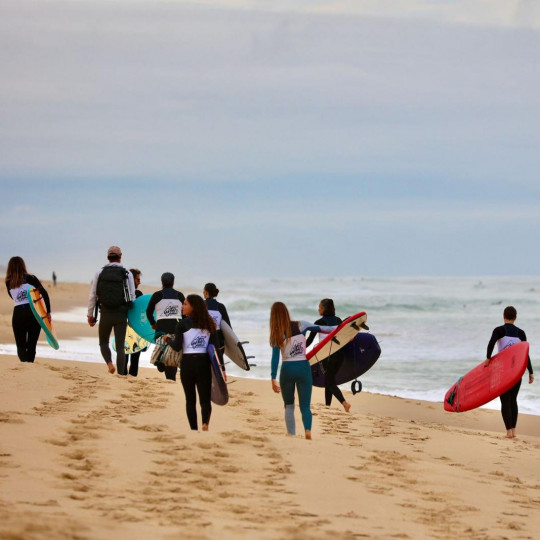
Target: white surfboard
{"points": [[233, 347]]}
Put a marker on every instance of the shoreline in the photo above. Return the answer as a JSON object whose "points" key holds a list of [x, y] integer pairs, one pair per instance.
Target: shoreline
{"points": [[89, 455]]}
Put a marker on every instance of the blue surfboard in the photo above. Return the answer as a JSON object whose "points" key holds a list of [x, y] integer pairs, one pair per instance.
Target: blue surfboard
{"points": [[139, 321], [359, 356]]}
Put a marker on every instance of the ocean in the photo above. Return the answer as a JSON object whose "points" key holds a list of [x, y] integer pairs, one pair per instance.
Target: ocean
{"points": [[431, 330]]}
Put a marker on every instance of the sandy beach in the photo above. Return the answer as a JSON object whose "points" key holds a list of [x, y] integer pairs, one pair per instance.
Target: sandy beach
{"points": [[88, 455]]}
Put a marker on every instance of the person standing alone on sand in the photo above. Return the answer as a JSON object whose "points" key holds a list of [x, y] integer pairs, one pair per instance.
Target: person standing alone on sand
{"points": [[505, 336], [113, 290], [288, 338], [26, 329]]}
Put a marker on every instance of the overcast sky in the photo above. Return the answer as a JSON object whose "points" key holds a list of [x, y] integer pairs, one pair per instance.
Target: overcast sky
{"points": [[246, 139]]}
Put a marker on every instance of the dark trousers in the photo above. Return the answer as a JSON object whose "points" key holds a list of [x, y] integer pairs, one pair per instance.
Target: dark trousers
{"points": [[116, 320], [196, 377], [509, 406], [133, 361], [330, 387], [26, 331]]}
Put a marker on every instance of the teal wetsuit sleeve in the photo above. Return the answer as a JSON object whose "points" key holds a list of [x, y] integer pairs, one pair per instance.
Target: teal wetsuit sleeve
{"points": [[275, 361]]}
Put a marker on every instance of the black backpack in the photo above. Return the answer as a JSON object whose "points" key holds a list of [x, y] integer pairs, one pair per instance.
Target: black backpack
{"points": [[112, 287]]}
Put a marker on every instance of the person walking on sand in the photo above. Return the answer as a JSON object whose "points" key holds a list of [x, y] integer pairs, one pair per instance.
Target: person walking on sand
{"points": [[218, 312], [26, 329], [113, 292], [54, 278], [288, 338], [332, 364], [505, 336], [133, 359], [167, 303], [192, 335]]}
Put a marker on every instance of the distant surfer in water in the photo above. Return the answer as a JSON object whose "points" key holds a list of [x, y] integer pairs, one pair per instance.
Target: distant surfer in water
{"points": [[331, 365], [192, 335], [288, 338], [26, 329], [505, 336]]}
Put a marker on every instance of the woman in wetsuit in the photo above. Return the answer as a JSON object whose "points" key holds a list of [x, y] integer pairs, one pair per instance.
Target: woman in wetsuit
{"points": [[218, 312], [288, 338], [192, 335], [333, 363], [26, 329]]}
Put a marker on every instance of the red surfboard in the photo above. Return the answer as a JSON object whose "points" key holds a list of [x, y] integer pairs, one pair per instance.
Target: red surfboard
{"points": [[482, 384], [338, 338]]}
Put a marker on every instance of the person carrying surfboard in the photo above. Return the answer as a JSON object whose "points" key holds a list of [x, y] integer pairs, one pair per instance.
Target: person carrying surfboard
{"points": [[288, 339], [113, 290], [26, 329], [505, 336], [167, 304], [133, 359], [331, 366], [192, 335]]}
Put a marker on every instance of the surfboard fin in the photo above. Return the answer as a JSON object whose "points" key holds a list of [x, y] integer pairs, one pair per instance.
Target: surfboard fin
{"points": [[336, 341], [356, 387]]}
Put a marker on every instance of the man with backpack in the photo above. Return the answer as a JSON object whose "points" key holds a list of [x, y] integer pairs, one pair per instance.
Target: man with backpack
{"points": [[113, 291]]}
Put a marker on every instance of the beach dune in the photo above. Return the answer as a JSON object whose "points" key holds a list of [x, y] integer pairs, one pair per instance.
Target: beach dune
{"points": [[88, 455]]}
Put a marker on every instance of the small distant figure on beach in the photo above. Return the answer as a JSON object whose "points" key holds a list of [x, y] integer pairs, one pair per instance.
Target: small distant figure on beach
{"points": [[26, 329], [54, 278], [505, 336], [192, 335], [331, 365], [288, 339], [133, 359], [167, 303], [112, 293]]}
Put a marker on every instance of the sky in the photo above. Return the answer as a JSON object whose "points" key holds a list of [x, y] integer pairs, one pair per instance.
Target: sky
{"points": [[247, 139]]}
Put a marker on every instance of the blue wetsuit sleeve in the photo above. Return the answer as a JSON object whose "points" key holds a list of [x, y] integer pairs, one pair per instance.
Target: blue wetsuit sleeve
{"points": [[275, 361]]}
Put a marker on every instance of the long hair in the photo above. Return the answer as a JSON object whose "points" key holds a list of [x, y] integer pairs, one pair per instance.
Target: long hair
{"points": [[328, 308], [15, 272], [200, 316], [280, 325]]}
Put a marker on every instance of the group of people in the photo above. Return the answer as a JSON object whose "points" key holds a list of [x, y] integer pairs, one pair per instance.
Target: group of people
{"points": [[186, 323], [189, 324]]}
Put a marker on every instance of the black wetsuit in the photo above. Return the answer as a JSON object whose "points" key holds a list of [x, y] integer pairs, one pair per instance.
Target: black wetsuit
{"points": [[26, 329], [506, 335], [196, 372], [133, 359], [168, 306], [218, 312], [332, 365]]}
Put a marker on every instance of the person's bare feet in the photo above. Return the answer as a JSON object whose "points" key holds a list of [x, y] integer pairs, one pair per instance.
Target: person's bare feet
{"points": [[346, 406], [205, 427], [308, 434], [110, 365], [510, 434]]}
